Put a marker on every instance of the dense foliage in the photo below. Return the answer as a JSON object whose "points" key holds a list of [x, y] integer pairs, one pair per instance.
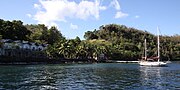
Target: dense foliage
{"points": [[14, 30], [129, 42], [41, 34], [116, 42]]}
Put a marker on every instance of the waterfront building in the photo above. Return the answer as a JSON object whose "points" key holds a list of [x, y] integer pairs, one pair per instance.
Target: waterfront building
{"points": [[20, 48]]}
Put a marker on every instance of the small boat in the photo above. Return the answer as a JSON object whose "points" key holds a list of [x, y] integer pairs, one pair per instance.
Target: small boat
{"points": [[153, 61]]}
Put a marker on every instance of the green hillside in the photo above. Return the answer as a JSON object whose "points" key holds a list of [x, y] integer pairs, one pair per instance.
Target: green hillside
{"points": [[116, 42]]}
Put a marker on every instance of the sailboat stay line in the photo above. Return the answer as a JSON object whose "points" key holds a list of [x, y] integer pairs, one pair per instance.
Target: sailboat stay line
{"points": [[150, 61]]}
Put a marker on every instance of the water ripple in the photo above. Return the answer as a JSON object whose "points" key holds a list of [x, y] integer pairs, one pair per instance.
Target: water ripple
{"points": [[90, 76]]}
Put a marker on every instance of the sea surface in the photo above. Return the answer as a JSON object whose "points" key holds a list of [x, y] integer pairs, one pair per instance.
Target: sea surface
{"points": [[97, 76]]}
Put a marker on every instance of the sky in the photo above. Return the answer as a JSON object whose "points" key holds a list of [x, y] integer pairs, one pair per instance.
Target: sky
{"points": [[75, 17]]}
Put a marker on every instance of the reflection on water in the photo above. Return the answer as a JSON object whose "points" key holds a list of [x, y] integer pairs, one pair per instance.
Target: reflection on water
{"points": [[90, 76], [160, 78], [151, 77]]}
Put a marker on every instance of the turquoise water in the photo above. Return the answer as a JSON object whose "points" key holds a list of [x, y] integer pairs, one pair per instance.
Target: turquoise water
{"points": [[90, 76]]}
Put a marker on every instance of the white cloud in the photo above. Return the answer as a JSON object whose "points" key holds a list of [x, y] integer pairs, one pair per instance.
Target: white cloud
{"points": [[29, 15], [50, 11], [120, 14], [137, 16], [37, 6], [115, 4], [74, 27]]}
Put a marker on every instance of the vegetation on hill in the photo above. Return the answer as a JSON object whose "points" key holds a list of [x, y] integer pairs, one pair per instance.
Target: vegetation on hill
{"points": [[41, 34], [14, 30], [116, 42]]}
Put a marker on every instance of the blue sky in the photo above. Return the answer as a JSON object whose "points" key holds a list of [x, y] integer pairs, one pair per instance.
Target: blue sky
{"points": [[75, 17]]}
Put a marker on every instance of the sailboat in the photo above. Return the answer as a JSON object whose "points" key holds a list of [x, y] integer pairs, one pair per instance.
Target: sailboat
{"points": [[155, 61]]}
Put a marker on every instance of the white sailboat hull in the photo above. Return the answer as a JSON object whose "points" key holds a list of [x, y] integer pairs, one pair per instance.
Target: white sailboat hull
{"points": [[146, 63]]}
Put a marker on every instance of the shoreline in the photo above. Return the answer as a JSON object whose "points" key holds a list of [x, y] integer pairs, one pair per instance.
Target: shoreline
{"points": [[111, 61], [34, 61]]}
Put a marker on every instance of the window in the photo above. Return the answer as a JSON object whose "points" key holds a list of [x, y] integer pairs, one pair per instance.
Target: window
{"points": [[33, 48]]}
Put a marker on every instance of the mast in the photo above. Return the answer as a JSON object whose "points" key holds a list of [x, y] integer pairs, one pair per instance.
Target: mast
{"points": [[158, 44], [145, 49]]}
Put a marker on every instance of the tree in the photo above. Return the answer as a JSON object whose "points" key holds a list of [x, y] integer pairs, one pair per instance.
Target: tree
{"points": [[54, 35], [89, 35], [14, 30]]}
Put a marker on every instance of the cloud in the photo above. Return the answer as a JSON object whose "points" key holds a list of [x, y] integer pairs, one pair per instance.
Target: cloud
{"points": [[74, 27], [51, 11], [29, 15], [115, 4], [137, 16], [37, 6], [120, 14], [86, 9]]}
